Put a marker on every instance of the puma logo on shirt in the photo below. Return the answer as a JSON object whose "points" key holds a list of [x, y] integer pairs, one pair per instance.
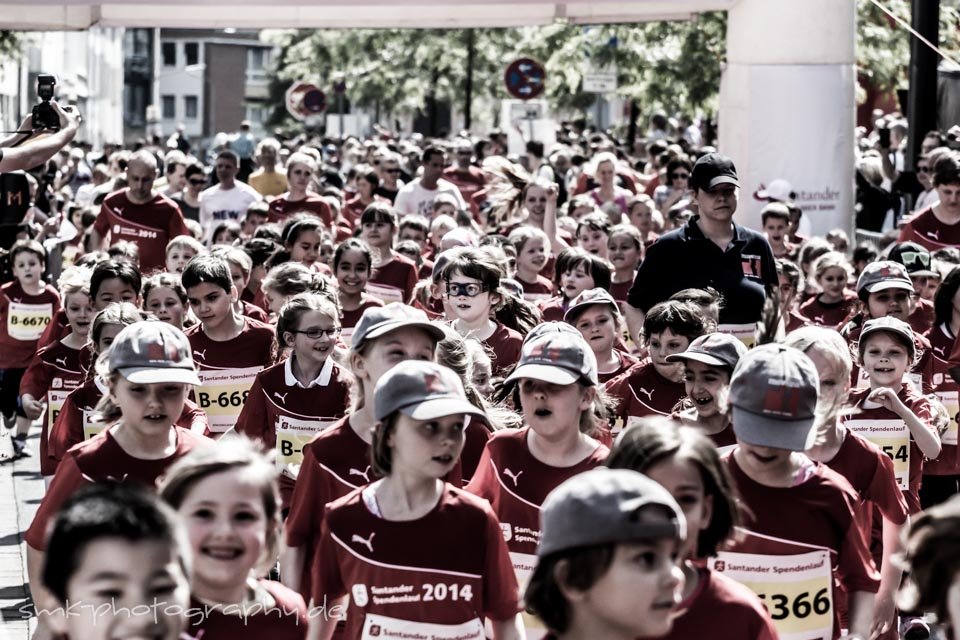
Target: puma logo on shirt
{"points": [[282, 396], [649, 394], [818, 319], [62, 361], [938, 350], [367, 542], [935, 234], [363, 474], [513, 476], [200, 354]]}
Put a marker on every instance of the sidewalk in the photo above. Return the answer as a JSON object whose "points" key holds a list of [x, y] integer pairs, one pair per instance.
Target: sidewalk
{"points": [[21, 489]]}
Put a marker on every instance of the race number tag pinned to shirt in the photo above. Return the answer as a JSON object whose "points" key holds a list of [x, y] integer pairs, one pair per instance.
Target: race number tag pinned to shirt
{"points": [[292, 435], [795, 589], [55, 400], [950, 402], [893, 438], [385, 292], [27, 321], [222, 393], [91, 427], [745, 333], [377, 627]]}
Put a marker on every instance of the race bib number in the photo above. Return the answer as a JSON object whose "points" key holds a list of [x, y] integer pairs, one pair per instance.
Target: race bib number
{"points": [[893, 438], [377, 627], [222, 393], [55, 400], [796, 589], [745, 333], [27, 321], [523, 566], [91, 427], [385, 292], [950, 402], [536, 297], [292, 436]]}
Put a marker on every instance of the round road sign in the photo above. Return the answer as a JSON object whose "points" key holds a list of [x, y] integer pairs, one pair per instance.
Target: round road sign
{"points": [[525, 78]]}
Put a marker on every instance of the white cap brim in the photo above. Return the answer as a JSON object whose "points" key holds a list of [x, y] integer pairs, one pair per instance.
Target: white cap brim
{"points": [[153, 375], [441, 408], [544, 372], [889, 284]]}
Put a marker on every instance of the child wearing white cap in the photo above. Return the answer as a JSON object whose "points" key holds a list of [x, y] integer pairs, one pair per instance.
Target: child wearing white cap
{"points": [[596, 316], [608, 561], [379, 543], [556, 388], [800, 517], [150, 371]]}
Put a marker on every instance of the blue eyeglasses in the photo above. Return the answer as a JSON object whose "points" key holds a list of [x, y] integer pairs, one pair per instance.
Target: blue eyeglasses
{"points": [[470, 290]]}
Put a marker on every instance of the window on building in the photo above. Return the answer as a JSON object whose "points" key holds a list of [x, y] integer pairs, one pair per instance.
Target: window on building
{"points": [[191, 51], [256, 59], [169, 54], [168, 108], [190, 107]]}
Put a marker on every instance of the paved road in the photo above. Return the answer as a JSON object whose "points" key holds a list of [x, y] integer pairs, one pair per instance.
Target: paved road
{"points": [[21, 489]]}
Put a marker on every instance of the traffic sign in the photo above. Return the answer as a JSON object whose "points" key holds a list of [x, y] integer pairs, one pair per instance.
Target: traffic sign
{"points": [[600, 80], [525, 78], [304, 100]]}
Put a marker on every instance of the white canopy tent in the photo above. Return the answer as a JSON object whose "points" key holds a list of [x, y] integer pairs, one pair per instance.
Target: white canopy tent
{"points": [[257, 14]]}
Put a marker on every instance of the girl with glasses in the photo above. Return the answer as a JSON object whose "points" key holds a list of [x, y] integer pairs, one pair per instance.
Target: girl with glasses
{"points": [[929, 196], [471, 285], [290, 402], [677, 185]]}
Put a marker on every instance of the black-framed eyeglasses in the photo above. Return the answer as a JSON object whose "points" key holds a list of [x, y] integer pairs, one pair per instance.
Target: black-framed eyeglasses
{"points": [[316, 333], [470, 289], [198, 182]]}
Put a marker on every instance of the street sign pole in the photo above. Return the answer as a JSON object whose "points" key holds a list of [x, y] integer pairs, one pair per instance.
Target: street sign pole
{"points": [[525, 79]]}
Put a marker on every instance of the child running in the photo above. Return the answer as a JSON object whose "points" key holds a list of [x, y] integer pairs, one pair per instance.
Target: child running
{"points": [[688, 465], [149, 374], [165, 297], [607, 564], [118, 567], [625, 249], [338, 460], [555, 385], [596, 316], [394, 276], [799, 517], [352, 265], [291, 402], [577, 271], [835, 303], [378, 539], [709, 362], [227, 497]]}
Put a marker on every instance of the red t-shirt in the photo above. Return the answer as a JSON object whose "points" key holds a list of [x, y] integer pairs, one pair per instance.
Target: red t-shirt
{"points": [[102, 459], [946, 389], [469, 181], [641, 391], [870, 472], [831, 315], [52, 375], [254, 312], [349, 319], [402, 582], [880, 426], [515, 484], [627, 362], [819, 514], [554, 309], [150, 226], [281, 209], [922, 318], [286, 619], [794, 321], [504, 348], [721, 609], [620, 291], [537, 291], [393, 281], [57, 330], [926, 230], [353, 208], [295, 413], [23, 317]]}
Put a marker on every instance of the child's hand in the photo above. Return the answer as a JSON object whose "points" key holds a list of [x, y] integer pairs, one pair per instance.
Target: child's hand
{"points": [[552, 194], [888, 399], [33, 408]]}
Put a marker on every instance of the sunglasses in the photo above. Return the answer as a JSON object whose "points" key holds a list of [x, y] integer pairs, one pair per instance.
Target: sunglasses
{"points": [[923, 169], [674, 176], [910, 257], [316, 333], [470, 290], [198, 182], [392, 170]]}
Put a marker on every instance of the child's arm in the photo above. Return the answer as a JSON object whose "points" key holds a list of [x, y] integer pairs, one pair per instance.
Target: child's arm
{"points": [[557, 244], [926, 438], [509, 629], [885, 606], [860, 612]]}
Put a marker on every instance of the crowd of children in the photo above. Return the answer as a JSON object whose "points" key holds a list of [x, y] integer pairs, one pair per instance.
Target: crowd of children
{"points": [[326, 420]]}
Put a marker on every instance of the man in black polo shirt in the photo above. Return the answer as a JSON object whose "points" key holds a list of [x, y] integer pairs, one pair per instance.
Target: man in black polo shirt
{"points": [[709, 251]]}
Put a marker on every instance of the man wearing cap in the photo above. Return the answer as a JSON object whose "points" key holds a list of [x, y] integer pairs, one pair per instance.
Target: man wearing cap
{"points": [[709, 251], [919, 265], [140, 214]]}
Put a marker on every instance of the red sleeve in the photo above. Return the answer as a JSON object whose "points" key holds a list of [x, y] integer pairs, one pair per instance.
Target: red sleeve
{"points": [[102, 222], [177, 226], [54, 331], [501, 593], [856, 569], [59, 440], [475, 441], [308, 493], [65, 482], [412, 280], [36, 379], [484, 480], [327, 581], [194, 419], [252, 420]]}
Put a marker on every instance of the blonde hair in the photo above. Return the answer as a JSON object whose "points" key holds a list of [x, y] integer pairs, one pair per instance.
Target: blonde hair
{"points": [[829, 344], [186, 241], [301, 158], [830, 260], [74, 280], [231, 452]]}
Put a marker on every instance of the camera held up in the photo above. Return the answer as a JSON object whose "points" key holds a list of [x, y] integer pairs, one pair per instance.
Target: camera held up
{"points": [[44, 115]]}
